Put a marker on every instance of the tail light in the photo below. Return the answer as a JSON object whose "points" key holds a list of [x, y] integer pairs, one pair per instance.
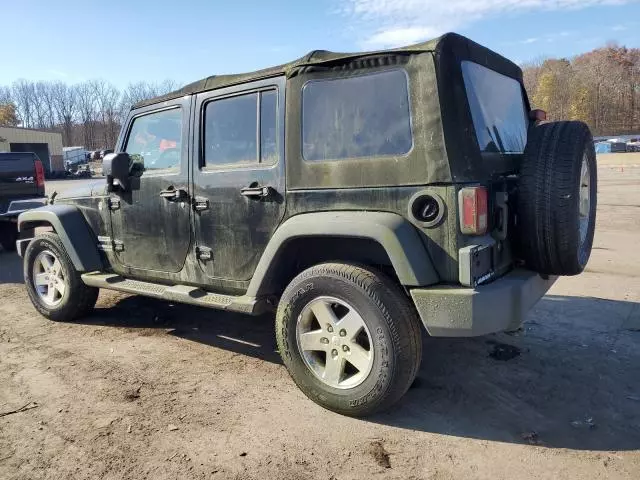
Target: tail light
{"points": [[472, 203], [39, 174], [538, 115]]}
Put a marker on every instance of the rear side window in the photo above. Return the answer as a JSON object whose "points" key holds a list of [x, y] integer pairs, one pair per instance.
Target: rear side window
{"points": [[364, 116], [241, 129], [497, 108]]}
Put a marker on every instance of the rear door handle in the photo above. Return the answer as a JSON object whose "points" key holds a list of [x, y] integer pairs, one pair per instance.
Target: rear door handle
{"points": [[256, 192], [172, 193]]}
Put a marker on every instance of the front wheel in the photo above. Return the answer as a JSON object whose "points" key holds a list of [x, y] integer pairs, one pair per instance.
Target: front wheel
{"points": [[349, 337], [53, 284]]}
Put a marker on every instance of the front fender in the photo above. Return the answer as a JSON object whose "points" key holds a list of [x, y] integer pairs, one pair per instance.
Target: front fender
{"points": [[75, 234], [396, 235]]}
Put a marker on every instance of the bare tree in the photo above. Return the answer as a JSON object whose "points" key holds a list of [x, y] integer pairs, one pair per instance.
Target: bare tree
{"points": [[65, 105], [139, 91], [42, 117], [5, 95], [47, 112], [87, 113], [108, 99], [23, 98], [166, 86]]}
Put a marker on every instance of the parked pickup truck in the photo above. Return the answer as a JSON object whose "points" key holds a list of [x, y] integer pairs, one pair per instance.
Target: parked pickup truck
{"points": [[21, 188]]}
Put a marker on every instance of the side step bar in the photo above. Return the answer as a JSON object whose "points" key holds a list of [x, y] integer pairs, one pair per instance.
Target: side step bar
{"points": [[177, 293]]}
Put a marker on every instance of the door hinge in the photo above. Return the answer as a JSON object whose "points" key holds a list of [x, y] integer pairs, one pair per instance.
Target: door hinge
{"points": [[114, 203], [118, 245], [200, 204], [204, 253]]}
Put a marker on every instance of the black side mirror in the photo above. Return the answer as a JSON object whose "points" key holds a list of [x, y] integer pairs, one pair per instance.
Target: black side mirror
{"points": [[115, 166]]}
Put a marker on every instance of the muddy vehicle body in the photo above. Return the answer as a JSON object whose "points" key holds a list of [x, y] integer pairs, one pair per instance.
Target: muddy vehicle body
{"points": [[362, 196]]}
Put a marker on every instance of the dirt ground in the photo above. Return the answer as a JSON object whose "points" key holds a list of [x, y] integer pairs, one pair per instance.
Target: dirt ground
{"points": [[146, 389]]}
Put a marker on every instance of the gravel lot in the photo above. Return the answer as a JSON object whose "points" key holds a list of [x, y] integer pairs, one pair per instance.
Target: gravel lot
{"points": [[145, 389]]}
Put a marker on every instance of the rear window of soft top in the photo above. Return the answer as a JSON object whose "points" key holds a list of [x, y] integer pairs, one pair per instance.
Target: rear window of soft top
{"points": [[497, 109]]}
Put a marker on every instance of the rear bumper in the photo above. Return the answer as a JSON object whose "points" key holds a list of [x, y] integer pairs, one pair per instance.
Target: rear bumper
{"points": [[454, 311]]}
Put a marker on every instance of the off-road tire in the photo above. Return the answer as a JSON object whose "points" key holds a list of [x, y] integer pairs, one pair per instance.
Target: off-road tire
{"points": [[548, 198], [8, 236], [78, 300], [388, 314]]}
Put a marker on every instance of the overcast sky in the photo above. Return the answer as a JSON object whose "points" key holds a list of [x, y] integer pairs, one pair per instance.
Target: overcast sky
{"points": [[131, 40]]}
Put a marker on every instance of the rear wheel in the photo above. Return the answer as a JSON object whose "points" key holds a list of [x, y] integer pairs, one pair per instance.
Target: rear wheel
{"points": [[349, 337], [557, 198], [53, 284]]}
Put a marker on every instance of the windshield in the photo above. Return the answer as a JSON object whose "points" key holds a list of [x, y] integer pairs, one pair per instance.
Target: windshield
{"points": [[497, 108]]}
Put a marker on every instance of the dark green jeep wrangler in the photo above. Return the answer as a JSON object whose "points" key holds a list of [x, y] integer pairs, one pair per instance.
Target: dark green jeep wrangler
{"points": [[361, 195]]}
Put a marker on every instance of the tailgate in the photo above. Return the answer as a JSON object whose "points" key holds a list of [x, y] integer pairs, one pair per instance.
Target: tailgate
{"points": [[17, 180]]}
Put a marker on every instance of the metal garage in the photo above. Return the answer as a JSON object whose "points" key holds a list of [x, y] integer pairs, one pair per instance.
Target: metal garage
{"points": [[47, 145]]}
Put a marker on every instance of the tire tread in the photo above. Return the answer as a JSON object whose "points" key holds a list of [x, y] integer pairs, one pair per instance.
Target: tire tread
{"points": [[547, 206]]}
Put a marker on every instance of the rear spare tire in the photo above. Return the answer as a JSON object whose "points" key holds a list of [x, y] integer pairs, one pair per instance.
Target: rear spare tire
{"points": [[557, 198]]}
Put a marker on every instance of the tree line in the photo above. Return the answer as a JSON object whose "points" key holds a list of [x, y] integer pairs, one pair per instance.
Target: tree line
{"points": [[600, 88], [88, 113]]}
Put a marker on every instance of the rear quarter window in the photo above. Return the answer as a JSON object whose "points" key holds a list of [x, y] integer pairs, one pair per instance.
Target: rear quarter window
{"points": [[354, 117]]}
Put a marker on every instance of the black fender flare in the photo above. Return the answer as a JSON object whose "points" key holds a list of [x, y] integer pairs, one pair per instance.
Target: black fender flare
{"points": [[396, 235], [75, 234]]}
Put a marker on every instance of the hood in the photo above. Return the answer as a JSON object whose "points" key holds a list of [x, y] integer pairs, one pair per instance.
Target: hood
{"points": [[86, 190]]}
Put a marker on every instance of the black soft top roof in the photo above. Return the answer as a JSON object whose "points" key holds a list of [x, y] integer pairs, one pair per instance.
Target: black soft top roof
{"points": [[448, 44]]}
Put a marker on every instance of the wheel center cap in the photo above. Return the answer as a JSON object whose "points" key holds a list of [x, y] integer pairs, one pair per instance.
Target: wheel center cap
{"points": [[335, 340]]}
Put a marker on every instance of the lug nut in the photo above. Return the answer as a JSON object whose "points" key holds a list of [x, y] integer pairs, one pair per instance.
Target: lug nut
{"points": [[343, 332], [334, 353], [329, 329], [345, 348], [324, 340]]}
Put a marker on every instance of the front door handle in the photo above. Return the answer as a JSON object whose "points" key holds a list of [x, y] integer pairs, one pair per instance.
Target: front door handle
{"points": [[172, 193], [256, 192]]}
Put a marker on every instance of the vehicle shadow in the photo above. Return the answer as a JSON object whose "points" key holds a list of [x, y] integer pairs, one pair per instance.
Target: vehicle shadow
{"points": [[242, 334], [568, 380]]}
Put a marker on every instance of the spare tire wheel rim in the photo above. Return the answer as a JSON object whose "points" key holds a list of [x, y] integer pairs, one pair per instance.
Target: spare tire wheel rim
{"points": [[334, 342], [584, 199], [49, 281]]}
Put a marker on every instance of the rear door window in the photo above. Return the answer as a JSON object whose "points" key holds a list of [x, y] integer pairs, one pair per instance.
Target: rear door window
{"points": [[241, 130], [363, 116], [497, 108]]}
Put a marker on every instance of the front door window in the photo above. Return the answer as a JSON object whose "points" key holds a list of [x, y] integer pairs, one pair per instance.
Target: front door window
{"points": [[155, 139]]}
